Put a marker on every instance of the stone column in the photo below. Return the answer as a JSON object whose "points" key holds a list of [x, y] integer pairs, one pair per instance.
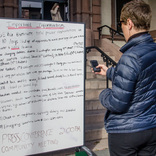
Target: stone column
{"points": [[1, 9], [86, 13], [75, 10], [80, 11], [96, 14], [16, 7], [10, 8], [113, 14]]}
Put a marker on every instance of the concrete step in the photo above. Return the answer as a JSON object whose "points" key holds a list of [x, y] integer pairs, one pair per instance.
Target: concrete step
{"points": [[94, 52], [93, 105], [92, 94], [91, 75], [95, 132], [95, 84], [94, 116], [107, 45], [98, 147], [99, 58]]}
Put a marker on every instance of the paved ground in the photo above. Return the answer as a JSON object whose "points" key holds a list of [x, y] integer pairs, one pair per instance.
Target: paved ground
{"points": [[102, 153], [99, 153]]}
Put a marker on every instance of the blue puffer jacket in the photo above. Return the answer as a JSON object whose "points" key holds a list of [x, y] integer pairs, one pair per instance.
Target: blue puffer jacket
{"points": [[131, 103]]}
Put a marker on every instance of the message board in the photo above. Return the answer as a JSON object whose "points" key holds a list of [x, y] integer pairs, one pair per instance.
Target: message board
{"points": [[41, 86]]}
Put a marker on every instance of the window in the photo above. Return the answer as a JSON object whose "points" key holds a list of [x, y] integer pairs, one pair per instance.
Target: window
{"points": [[31, 10], [119, 5], [40, 9]]}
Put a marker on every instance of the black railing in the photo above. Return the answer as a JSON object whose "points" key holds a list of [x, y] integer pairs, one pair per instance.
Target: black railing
{"points": [[105, 57], [112, 32]]}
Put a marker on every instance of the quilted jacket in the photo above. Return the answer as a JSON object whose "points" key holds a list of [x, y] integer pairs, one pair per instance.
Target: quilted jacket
{"points": [[131, 103]]}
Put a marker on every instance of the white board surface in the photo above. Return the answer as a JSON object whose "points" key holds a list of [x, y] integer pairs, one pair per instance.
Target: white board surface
{"points": [[41, 86]]}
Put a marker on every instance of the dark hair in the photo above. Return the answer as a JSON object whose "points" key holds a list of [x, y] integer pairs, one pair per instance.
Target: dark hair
{"points": [[54, 6], [139, 12]]}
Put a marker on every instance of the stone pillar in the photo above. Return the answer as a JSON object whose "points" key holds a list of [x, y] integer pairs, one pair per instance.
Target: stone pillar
{"points": [[75, 9], [89, 37], [1, 9], [86, 13], [16, 7], [80, 11], [10, 8], [113, 14], [96, 17]]}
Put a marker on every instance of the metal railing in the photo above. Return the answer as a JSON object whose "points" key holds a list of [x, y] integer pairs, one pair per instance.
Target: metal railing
{"points": [[105, 57], [113, 32]]}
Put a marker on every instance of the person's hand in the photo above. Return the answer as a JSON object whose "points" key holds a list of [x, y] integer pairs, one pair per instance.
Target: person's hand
{"points": [[103, 69]]}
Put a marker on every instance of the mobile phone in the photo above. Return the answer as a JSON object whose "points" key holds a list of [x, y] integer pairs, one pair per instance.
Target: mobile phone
{"points": [[94, 63]]}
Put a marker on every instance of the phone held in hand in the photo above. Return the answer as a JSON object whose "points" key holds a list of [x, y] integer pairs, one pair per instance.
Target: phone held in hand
{"points": [[94, 63]]}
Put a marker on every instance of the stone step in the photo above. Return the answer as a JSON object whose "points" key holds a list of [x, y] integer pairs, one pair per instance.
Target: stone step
{"points": [[97, 145], [107, 45], [93, 105], [98, 58], [94, 116], [95, 52], [95, 132], [91, 75], [95, 84], [92, 94]]}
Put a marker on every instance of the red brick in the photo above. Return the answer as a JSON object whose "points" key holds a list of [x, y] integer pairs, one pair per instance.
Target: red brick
{"points": [[96, 35], [96, 25], [96, 10], [96, 19], [96, 2]]}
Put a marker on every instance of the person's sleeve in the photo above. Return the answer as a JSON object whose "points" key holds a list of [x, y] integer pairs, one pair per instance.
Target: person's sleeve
{"points": [[110, 73], [54, 11], [118, 98]]}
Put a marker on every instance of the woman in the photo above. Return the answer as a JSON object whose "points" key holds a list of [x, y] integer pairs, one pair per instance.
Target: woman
{"points": [[55, 13]]}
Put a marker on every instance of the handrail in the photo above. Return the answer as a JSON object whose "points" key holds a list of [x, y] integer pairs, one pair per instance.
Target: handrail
{"points": [[112, 31], [106, 58]]}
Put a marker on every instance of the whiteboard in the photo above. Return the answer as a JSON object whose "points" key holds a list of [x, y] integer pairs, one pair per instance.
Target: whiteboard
{"points": [[41, 86]]}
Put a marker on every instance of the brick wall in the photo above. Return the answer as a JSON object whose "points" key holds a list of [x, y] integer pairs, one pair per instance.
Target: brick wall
{"points": [[88, 13], [9, 8], [96, 16]]}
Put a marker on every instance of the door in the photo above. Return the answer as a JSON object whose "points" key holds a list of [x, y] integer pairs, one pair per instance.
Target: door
{"points": [[119, 5]]}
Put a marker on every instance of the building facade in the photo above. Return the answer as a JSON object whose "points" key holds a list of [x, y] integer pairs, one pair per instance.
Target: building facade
{"points": [[94, 13]]}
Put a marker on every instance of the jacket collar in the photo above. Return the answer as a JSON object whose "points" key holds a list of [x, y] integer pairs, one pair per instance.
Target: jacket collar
{"points": [[137, 35], [136, 39]]}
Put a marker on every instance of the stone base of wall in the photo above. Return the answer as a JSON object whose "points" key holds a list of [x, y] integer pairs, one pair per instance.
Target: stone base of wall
{"points": [[89, 38]]}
